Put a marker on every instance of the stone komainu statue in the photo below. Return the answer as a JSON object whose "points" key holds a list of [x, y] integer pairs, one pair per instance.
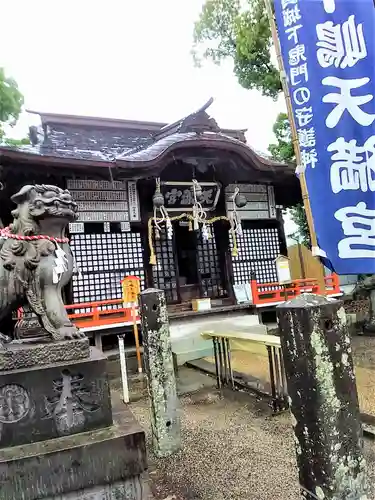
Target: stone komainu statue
{"points": [[35, 258]]}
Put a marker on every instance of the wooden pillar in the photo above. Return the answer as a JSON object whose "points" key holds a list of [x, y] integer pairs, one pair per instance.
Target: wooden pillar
{"points": [[281, 231], [321, 385], [225, 260], [157, 352], [301, 260]]}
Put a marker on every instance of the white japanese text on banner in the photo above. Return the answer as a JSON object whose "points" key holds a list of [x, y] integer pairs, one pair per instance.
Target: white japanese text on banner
{"points": [[329, 57]]}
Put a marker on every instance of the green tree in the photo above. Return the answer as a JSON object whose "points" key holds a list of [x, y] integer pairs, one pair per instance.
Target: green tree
{"points": [[228, 29], [8, 141], [283, 150], [298, 216], [240, 31], [11, 101]]}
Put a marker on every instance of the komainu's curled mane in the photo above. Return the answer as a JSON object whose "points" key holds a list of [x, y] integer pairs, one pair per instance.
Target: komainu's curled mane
{"points": [[35, 258]]}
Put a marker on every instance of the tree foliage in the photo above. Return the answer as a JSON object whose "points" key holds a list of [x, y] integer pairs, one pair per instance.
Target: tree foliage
{"points": [[240, 31], [11, 101], [283, 150], [8, 141], [298, 216]]}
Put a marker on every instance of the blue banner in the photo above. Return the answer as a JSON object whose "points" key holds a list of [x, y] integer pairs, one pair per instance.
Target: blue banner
{"points": [[329, 57]]}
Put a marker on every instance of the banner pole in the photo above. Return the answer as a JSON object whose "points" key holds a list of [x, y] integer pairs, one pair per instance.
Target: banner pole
{"points": [[297, 151]]}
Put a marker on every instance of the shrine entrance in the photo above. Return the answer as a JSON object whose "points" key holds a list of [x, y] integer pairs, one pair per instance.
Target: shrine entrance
{"points": [[199, 270], [186, 253], [188, 266]]}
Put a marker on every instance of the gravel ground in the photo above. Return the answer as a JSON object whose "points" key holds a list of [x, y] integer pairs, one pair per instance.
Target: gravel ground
{"points": [[232, 449]]}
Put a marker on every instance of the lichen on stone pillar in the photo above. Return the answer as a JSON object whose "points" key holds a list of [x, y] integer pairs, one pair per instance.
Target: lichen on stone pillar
{"points": [[160, 374], [323, 395]]}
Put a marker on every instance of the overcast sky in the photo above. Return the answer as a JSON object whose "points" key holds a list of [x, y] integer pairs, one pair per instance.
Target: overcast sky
{"points": [[124, 59]]}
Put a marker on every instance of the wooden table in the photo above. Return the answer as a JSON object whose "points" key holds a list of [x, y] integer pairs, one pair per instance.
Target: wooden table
{"points": [[225, 343]]}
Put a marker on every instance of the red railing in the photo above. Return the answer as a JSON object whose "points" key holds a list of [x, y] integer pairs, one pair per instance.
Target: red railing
{"points": [[97, 315], [263, 294], [270, 293]]}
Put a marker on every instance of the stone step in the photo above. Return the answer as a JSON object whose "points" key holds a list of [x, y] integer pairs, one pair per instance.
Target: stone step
{"points": [[188, 345], [191, 353]]}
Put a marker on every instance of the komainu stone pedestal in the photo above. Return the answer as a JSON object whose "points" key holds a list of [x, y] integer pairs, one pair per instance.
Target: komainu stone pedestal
{"points": [[106, 464], [50, 401], [57, 435], [23, 355]]}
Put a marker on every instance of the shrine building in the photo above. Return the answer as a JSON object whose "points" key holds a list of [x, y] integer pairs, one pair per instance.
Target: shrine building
{"points": [[187, 207]]}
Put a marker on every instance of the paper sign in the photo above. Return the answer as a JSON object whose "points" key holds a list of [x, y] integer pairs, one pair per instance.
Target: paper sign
{"points": [[131, 288], [243, 293], [283, 270]]}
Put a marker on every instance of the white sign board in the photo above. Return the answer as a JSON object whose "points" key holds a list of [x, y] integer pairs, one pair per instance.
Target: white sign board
{"points": [[76, 227], [283, 270], [243, 293], [105, 201], [134, 210], [260, 201]]}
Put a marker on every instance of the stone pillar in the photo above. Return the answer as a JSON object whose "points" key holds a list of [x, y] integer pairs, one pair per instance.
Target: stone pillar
{"points": [[157, 351], [323, 396]]}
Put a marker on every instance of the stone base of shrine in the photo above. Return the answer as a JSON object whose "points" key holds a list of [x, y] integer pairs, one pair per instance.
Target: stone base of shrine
{"points": [[105, 464], [17, 356], [135, 488], [54, 400]]}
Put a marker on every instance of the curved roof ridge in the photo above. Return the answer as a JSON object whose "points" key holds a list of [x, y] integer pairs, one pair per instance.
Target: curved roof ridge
{"points": [[169, 143]]}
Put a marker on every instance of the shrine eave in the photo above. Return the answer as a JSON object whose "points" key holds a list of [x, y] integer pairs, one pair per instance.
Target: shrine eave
{"points": [[162, 148], [20, 156], [149, 160]]}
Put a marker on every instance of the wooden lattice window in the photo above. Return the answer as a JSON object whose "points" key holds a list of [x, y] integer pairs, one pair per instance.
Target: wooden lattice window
{"points": [[165, 271], [103, 260], [257, 250], [209, 267]]}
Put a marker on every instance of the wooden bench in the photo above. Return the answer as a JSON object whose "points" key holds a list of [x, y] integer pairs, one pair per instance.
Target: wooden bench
{"points": [[224, 343]]}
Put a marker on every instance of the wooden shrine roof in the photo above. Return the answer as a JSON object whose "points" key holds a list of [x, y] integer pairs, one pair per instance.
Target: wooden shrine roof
{"points": [[136, 149]]}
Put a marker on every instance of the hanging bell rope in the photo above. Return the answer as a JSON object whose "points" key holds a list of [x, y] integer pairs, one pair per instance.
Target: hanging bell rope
{"points": [[239, 201], [189, 218], [199, 216], [151, 243], [198, 211], [159, 206]]}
